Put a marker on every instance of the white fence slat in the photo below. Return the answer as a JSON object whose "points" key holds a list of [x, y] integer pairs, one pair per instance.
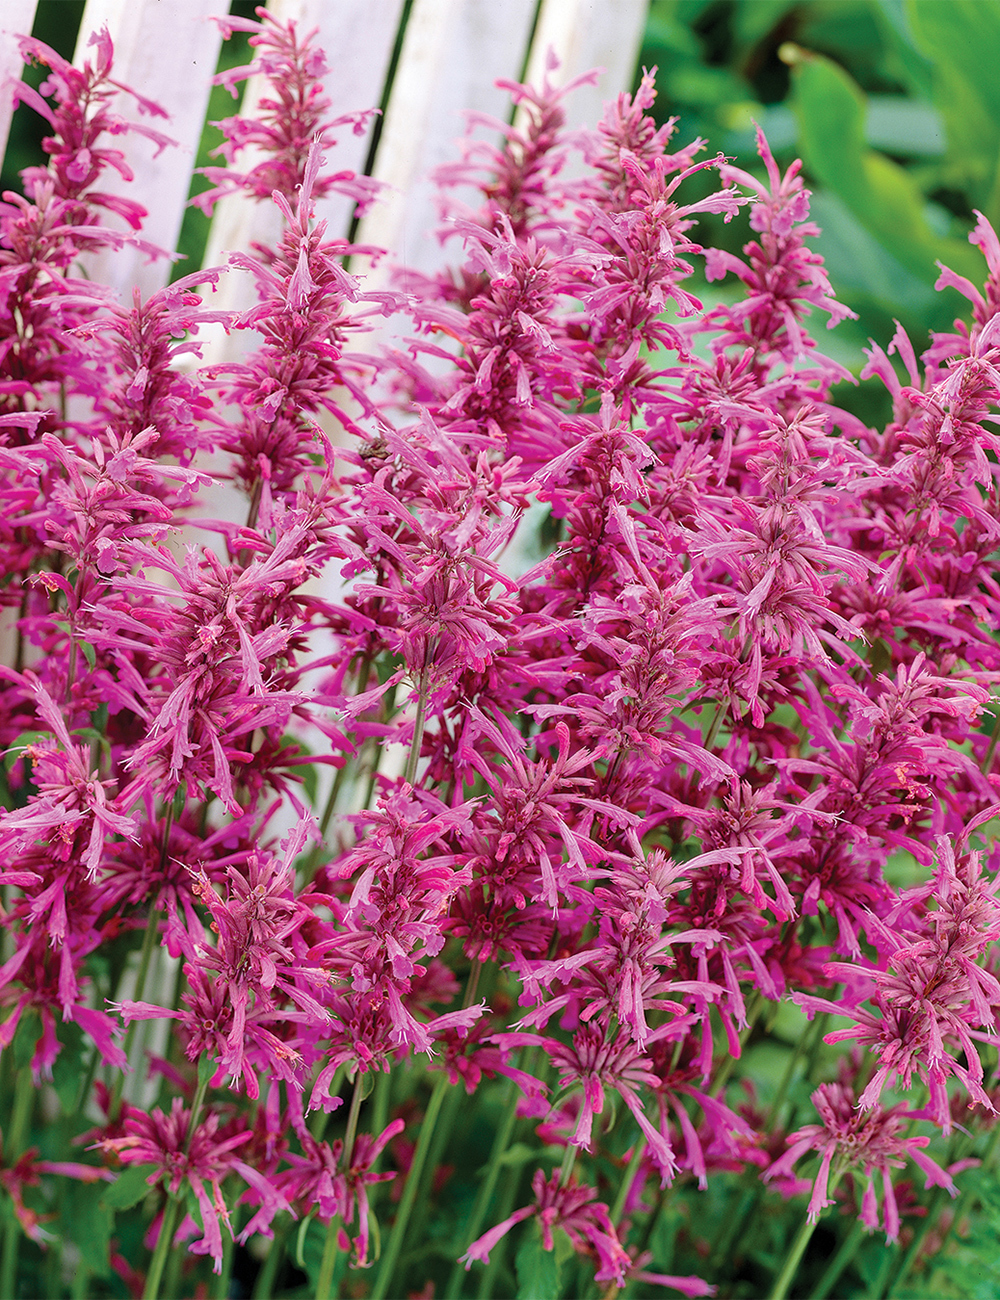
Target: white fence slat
{"points": [[168, 50], [589, 34], [420, 72], [357, 37], [17, 17], [453, 53]]}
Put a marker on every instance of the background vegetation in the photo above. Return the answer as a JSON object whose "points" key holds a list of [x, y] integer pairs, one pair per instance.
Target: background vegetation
{"points": [[894, 107]]}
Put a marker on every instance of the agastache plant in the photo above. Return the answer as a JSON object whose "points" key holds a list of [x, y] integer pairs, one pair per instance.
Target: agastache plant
{"points": [[549, 843]]}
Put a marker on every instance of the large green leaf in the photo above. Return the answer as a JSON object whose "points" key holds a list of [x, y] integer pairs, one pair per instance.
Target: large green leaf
{"points": [[914, 68], [68, 1068], [128, 1189], [882, 195], [962, 38], [537, 1271], [88, 1220]]}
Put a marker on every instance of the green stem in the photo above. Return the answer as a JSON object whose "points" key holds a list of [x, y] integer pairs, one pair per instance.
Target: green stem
{"points": [[168, 821], [361, 1090], [315, 857], [226, 1276], [844, 1256], [380, 1103], [734, 1227], [488, 1290], [177, 1259], [987, 765], [145, 957], [910, 1258], [818, 1029], [163, 1244], [381, 1097], [786, 1079], [726, 1068], [436, 1154], [172, 1286], [878, 1286], [484, 1196], [8, 1267], [413, 758], [930, 1219], [196, 1105], [264, 1285], [472, 984], [568, 1161], [255, 496], [721, 710], [395, 1244], [20, 1127], [87, 1082], [787, 1274], [618, 1209], [53, 1264], [324, 1285]]}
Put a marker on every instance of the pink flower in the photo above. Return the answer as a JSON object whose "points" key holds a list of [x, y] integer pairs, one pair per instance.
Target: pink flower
{"points": [[571, 1208], [319, 1182], [288, 125], [182, 1157], [930, 995], [872, 1142]]}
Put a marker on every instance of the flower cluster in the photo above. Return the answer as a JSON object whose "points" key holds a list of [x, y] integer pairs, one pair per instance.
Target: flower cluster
{"points": [[606, 704]]}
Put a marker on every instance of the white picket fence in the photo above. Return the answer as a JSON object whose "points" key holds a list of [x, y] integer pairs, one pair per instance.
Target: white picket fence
{"points": [[452, 52]]}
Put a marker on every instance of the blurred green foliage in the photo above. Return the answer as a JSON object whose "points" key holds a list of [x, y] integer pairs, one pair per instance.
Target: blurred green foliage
{"points": [[894, 107]]}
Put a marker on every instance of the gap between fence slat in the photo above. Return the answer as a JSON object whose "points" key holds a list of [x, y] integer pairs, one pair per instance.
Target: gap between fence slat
{"points": [[17, 18], [453, 53]]}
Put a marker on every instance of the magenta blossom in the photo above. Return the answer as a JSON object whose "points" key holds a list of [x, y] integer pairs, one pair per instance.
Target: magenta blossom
{"points": [[571, 1207], [182, 1157], [872, 1142]]}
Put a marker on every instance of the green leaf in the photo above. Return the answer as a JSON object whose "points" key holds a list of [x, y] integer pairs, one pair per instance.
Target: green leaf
{"points": [[755, 21], [310, 1256], [88, 1220], [883, 196], [89, 653], [962, 39], [564, 1248], [179, 800], [916, 70], [662, 1238], [129, 1188], [300, 1240], [904, 126], [26, 1035], [537, 1271], [206, 1069], [68, 1068], [306, 771], [22, 742], [517, 1154], [867, 274], [89, 734]]}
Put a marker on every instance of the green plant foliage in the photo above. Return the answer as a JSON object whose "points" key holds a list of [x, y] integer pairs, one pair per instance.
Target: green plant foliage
{"points": [[539, 1271], [894, 107]]}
